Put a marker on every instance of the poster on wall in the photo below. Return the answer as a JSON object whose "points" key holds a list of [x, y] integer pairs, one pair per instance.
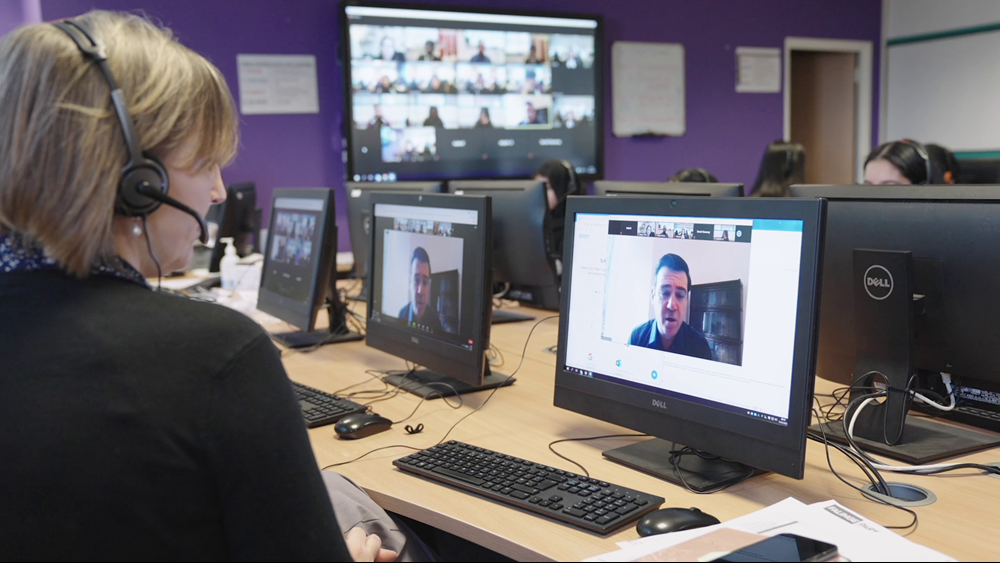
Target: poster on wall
{"points": [[758, 70], [277, 84]]}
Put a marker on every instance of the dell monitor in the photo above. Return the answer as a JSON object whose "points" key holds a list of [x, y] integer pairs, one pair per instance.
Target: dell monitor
{"points": [[706, 341], [909, 288], [667, 189], [359, 219], [430, 299], [453, 93], [298, 279], [239, 219], [522, 253]]}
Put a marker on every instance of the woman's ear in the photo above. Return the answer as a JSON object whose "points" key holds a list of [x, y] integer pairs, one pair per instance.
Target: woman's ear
{"points": [[949, 177]]}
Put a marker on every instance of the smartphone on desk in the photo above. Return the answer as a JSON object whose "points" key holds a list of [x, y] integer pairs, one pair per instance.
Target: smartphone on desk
{"points": [[783, 547]]}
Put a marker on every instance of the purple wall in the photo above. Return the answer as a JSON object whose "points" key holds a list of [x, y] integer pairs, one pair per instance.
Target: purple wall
{"points": [[11, 15], [726, 131]]}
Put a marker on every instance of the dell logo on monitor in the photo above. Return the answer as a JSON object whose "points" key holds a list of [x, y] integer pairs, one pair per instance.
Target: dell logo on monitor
{"points": [[878, 282], [659, 404]]}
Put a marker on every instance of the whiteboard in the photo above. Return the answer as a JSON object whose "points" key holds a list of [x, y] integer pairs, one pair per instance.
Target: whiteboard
{"points": [[945, 91], [647, 89]]}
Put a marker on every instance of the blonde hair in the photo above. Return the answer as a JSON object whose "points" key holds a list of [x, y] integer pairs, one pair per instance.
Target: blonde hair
{"points": [[61, 145]]}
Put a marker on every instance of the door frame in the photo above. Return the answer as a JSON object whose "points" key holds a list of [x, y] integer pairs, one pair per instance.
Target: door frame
{"points": [[863, 78]]}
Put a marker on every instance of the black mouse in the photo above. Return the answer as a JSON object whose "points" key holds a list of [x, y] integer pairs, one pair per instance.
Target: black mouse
{"points": [[356, 426], [668, 520]]}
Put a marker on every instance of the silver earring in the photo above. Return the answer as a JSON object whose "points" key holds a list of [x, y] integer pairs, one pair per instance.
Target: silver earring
{"points": [[136, 230]]}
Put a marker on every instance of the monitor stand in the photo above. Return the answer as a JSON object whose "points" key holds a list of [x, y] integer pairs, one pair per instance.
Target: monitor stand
{"points": [[302, 339], [430, 385], [501, 316], [337, 312], [886, 306], [699, 474]]}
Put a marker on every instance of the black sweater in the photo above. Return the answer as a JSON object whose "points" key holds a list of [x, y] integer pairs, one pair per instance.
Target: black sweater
{"points": [[141, 425]]}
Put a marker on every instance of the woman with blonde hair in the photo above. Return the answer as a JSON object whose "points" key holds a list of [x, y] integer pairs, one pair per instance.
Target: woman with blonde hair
{"points": [[138, 425]]}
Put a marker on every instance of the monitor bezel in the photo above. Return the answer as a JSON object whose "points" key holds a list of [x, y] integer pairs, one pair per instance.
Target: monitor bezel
{"points": [[270, 302], [610, 188], [468, 366], [941, 193], [598, 76], [758, 443]]}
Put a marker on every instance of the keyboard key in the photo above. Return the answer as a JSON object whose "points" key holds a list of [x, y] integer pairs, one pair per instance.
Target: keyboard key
{"points": [[519, 494], [457, 475], [575, 512], [626, 509], [606, 519], [556, 506], [544, 485]]}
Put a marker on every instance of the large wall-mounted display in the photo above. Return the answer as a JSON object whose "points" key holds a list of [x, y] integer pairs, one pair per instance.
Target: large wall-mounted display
{"points": [[438, 94]]}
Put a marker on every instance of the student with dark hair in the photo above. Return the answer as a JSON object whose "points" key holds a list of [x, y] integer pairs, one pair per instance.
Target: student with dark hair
{"points": [[784, 164], [902, 162], [669, 331], [694, 175], [944, 166], [433, 119], [560, 182]]}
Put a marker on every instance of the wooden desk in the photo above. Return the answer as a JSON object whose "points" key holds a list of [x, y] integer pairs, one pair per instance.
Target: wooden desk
{"points": [[521, 421]]}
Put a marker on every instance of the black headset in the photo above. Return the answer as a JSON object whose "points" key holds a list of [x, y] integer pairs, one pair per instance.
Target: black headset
{"points": [[923, 154], [144, 182]]}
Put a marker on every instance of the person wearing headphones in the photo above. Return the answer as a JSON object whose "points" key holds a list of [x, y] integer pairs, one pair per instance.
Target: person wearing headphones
{"points": [[944, 165], [897, 163], [560, 183], [783, 164], [694, 175], [140, 425]]}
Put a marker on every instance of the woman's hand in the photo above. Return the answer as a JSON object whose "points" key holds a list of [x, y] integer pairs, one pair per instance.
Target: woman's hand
{"points": [[367, 548]]}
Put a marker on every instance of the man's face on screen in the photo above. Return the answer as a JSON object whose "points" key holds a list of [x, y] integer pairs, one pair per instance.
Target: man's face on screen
{"points": [[670, 301], [420, 287]]}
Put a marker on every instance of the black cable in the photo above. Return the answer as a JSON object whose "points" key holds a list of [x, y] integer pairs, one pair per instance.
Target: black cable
{"points": [[524, 351], [582, 468], [509, 377], [677, 455], [149, 245], [863, 492]]}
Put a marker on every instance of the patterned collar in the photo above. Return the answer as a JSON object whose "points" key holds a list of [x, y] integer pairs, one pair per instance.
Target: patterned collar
{"points": [[19, 254]]}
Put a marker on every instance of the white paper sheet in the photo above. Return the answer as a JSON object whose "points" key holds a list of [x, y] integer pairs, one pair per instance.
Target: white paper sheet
{"points": [[856, 537]]}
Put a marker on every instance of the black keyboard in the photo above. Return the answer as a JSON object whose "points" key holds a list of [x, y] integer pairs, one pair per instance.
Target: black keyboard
{"points": [[320, 409], [980, 418], [552, 493]]}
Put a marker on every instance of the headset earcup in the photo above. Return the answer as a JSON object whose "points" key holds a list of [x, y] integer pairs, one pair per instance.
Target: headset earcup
{"points": [[151, 172]]}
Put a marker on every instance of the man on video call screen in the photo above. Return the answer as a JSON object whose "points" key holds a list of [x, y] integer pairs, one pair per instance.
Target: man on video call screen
{"points": [[417, 309], [668, 331]]}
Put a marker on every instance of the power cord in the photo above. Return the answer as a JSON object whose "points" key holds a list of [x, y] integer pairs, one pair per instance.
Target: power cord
{"points": [[677, 455], [857, 459], [453, 426], [582, 468]]}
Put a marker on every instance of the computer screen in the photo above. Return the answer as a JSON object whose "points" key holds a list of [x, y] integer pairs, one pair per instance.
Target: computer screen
{"points": [[238, 218], [522, 253], [429, 301], [692, 320], [646, 189], [435, 94], [297, 279], [359, 217]]}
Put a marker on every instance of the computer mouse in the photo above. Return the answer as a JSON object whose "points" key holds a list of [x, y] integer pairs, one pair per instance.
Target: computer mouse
{"points": [[355, 426], [668, 520]]}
